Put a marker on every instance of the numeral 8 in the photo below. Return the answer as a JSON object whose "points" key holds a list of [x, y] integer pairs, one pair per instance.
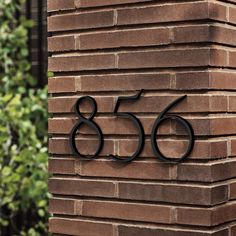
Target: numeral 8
{"points": [[88, 121]]}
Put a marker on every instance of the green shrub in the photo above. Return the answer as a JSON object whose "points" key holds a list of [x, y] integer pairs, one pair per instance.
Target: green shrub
{"points": [[23, 131]]}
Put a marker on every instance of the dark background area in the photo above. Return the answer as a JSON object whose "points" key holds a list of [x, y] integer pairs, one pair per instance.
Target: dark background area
{"points": [[37, 11]]}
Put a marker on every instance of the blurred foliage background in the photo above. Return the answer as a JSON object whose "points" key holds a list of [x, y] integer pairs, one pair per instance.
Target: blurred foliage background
{"points": [[23, 131]]}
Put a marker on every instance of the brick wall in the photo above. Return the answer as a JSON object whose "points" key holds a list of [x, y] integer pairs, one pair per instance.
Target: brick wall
{"points": [[107, 49]]}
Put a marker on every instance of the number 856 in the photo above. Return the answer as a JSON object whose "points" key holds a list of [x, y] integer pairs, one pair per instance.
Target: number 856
{"points": [[163, 116]]}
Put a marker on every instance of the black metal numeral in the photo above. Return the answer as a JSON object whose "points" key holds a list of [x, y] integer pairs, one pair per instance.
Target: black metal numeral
{"points": [[136, 122], [88, 121], [162, 118]]}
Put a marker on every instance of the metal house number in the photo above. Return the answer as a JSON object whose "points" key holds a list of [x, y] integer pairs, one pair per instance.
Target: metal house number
{"points": [[160, 119]]}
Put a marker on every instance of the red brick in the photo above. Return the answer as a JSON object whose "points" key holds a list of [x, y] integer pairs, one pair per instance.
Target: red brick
{"points": [[119, 82], [232, 15], [202, 150], [223, 35], [233, 147], [61, 166], [217, 12], [174, 193], [79, 187], [61, 43], [62, 206], [163, 13], [124, 38], [88, 3], [110, 125], [232, 103], [207, 80], [232, 59], [125, 230], [80, 21], [114, 126], [66, 104], [207, 217], [158, 103], [175, 148], [218, 58], [194, 216], [55, 5], [210, 126], [223, 125], [191, 34], [224, 213], [232, 191], [152, 170], [187, 172], [79, 227], [204, 33], [211, 172], [172, 58], [128, 211], [62, 84], [192, 80], [81, 63], [172, 13], [61, 146], [190, 104], [202, 126], [222, 80]]}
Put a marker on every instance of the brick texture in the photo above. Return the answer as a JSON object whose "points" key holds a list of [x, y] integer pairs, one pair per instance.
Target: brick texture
{"points": [[107, 49]]}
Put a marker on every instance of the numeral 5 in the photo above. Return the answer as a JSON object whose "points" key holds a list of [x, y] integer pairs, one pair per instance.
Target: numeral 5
{"points": [[136, 122]]}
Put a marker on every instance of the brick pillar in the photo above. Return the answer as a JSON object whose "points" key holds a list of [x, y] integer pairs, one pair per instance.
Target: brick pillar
{"points": [[107, 49]]}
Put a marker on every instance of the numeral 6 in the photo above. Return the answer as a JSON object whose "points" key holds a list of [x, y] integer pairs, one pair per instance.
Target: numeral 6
{"points": [[162, 118]]}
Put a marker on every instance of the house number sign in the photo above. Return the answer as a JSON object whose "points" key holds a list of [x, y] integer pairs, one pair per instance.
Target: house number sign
{"points": [[160, 119]]}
